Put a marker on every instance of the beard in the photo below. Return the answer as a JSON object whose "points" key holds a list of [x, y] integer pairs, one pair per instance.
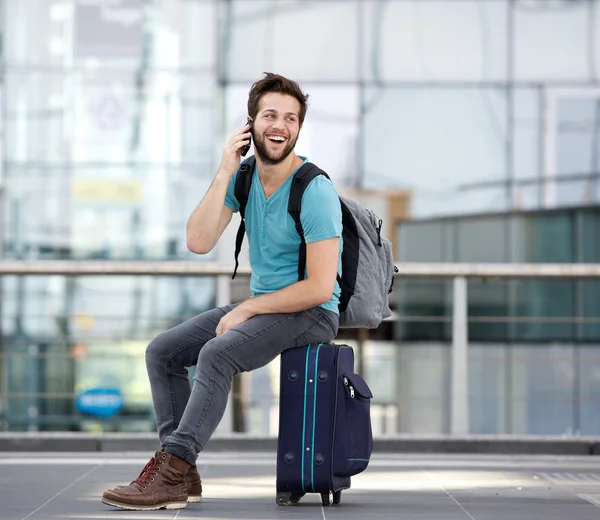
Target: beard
{"points": [[271, 158]]}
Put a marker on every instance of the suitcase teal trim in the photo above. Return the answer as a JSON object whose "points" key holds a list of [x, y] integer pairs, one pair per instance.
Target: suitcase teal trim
{"points": [[304, 415], [312, 449]]}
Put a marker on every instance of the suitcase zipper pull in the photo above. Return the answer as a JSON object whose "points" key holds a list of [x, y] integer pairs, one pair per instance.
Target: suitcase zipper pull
{"points": [[350, 387]]}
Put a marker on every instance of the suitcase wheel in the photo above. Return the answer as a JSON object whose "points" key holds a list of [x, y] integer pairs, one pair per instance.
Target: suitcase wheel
{"points": [[295, 498], [327, 498], [285, 499]]}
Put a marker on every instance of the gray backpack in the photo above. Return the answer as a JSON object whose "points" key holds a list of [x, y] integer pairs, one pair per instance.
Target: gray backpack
{"points": [[367, 262]]}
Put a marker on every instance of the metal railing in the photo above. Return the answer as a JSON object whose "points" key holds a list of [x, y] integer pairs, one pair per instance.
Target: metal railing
{"points": [[460, 273], [183, 268]]}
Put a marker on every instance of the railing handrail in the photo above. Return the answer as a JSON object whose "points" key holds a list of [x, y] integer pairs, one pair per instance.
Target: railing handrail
{"points": [[204, 268]]}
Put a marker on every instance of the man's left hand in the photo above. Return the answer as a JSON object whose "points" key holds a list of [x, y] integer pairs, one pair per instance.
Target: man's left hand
{"points": [[232, 319]]}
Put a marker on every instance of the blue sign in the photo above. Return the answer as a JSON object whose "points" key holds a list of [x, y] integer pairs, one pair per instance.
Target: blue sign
{"points": [[100, 402]]}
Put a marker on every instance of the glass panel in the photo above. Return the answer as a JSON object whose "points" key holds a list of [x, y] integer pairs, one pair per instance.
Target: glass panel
{"points": [[488, 308], [482, 240], [487, 388], [187, 34], [547, 238], [118, 121], [424, 241], [589, 290], [526, 197], [425, 310], [424, 388], [526, 138], [573, 193], [465, 127], [424, 305], [46, 20], [542, 385], [552, 44], [578, 136], [64, 335], [275, 33], [36, 117], [589, 400], [97, 217], [419, 40], [123, 20]]}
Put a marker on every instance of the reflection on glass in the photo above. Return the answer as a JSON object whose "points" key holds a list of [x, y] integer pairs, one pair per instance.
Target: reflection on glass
{"points": [[417, 40], [437, 143]]}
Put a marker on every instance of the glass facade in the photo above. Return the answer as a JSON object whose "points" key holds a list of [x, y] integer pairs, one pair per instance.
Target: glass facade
{"points": [[113, 116], [534, 345], [507, 311]]}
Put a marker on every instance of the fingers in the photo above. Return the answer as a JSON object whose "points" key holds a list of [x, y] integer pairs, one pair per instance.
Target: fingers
{"points": [[241, 144], [238, 140], [232, 152], [221, 328]]}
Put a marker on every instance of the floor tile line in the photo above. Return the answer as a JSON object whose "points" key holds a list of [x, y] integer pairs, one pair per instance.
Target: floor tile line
{"points": [[63, 490], [447, 493], [592, 499]]}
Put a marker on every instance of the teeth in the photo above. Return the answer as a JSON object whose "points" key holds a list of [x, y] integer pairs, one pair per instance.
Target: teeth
{"points": [[277, 138]]}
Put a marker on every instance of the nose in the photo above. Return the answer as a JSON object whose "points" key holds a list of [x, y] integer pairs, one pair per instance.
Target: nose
{"points": [[278, 123]]}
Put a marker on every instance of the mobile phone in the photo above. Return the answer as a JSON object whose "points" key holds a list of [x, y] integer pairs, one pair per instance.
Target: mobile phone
{"points": [[247, 147]]}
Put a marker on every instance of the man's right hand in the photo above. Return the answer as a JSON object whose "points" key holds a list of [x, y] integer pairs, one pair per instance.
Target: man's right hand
{"points": [[230, 161]]}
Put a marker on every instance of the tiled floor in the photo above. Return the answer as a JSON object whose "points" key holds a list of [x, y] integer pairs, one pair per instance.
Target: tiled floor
{"points": [[242, 486]]}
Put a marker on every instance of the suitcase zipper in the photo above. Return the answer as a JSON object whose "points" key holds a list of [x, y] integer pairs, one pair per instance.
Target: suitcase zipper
{"points": [[350, 387]]}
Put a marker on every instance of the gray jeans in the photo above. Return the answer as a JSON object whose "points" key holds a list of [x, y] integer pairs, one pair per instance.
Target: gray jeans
{"points": [[186, 418]]}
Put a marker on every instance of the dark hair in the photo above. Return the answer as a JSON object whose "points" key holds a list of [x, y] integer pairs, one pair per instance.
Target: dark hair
{"points": [[276, 83]]}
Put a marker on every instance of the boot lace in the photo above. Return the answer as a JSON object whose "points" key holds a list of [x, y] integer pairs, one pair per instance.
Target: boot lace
{"points": [[148, 473]]}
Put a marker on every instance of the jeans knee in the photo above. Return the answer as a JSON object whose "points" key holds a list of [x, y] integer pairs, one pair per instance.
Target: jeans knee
{"points": [[157, 350], [213, 356]]}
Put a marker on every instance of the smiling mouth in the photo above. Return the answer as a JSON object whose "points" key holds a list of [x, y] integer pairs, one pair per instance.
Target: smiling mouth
{"points": [[277, 139]]}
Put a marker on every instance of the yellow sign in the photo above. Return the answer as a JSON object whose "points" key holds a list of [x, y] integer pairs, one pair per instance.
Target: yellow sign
{"points": [[107, 191]]}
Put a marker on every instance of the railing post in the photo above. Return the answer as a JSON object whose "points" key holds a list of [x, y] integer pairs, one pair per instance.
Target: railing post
{"points": [[459, 408]]}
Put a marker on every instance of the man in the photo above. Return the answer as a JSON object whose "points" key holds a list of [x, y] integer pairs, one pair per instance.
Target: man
{"points": [[282, 313]]}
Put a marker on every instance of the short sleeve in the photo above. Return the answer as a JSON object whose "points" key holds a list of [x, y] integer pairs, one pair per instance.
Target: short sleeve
{"points": [[230, 200], [321, 214]]}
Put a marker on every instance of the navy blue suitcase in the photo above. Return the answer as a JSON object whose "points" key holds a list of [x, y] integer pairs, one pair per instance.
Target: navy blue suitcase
{"points": [[325, 433]]}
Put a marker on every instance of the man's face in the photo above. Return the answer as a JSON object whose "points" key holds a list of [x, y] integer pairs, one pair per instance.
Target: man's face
{"points": [[276, 127]]}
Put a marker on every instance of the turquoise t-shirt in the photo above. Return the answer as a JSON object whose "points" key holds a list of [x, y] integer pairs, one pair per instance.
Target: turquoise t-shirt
{"points": [[272, 237]]}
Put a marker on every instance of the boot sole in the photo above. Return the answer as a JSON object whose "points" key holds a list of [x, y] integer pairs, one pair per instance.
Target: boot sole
{"points": [[131, 507], [192, 499]]}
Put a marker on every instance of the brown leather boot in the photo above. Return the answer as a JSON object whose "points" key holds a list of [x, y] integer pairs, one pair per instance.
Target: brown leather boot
{"points": [[193, 484], [161, 484]]}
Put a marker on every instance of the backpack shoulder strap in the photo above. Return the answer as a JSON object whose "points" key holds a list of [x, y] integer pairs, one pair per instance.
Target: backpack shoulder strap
{"points": [[302, 178], [243, 183]]}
